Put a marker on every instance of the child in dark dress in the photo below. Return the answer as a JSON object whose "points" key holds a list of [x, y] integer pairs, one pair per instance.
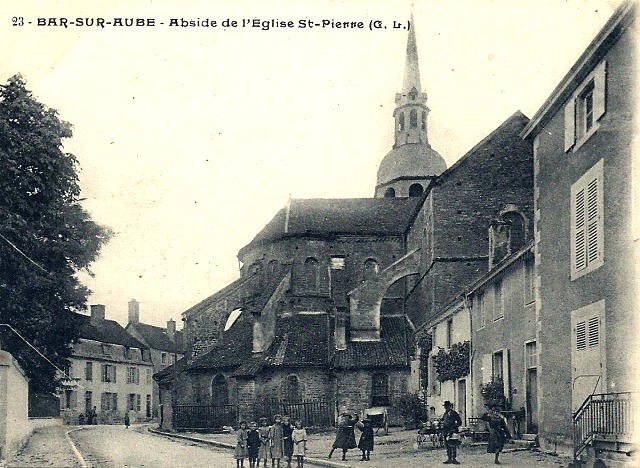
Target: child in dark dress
{"points": [[345, 437], [366, 440], [287, 442], [253, 444]]}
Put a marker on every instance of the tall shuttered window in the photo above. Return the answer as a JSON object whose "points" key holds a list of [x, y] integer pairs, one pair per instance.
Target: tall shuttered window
{"points": [[587, 243]]}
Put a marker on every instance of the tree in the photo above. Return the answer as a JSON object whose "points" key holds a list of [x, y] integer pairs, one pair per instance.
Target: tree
{"points": [[46, 237]]}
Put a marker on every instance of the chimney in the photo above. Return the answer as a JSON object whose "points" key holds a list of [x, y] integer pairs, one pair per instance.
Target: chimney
{"points": [[134, 311], [97, 314], [341, 332], [171, 328]]}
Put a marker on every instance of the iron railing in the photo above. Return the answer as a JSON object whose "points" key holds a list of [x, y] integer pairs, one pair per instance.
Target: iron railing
{"points": [[314, 412], [610, 416]]}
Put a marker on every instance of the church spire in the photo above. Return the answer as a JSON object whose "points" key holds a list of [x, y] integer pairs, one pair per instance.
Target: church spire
{"points": [[411, 66]]}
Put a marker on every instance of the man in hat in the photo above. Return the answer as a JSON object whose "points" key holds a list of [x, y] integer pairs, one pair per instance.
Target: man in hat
{"points": [[450, 423]]}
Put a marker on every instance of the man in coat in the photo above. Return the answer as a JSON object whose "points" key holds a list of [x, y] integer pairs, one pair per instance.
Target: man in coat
{"points": [[450, 423]]}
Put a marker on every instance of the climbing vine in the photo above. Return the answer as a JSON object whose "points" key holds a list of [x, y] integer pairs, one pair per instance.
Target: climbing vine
{"points": [[452, 364]]}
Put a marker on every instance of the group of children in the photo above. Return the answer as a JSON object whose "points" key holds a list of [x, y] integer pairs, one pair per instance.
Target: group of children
{"points": [[346, 438], [280, 440]]}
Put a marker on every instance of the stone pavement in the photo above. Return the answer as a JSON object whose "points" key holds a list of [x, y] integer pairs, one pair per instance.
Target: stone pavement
{"points": [[398, 449], [47, 447]]}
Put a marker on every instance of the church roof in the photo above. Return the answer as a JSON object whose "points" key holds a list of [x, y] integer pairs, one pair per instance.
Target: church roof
{"points": [[391, 351], [409, 160], [327, 216]]}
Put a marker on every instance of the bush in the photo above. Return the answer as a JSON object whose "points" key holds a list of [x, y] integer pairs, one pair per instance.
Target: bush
{"points": [[493, 394], [412, 408]]}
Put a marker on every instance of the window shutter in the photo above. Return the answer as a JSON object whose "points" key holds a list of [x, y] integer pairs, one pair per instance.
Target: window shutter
{"points": [[592, 221], [579, 237], [581, 336], [74, 399], [594, 329], [506, 378], [569, 124], [486, 368], [599, 90]]}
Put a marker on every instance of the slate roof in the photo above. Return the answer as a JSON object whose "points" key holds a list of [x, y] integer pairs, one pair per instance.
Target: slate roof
{"points": [[390, 351], [158, 338], [326, 216], [302, 340], [107, 331], [235, 347]]}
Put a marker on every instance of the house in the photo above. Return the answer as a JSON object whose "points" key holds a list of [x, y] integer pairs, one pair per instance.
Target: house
{"points": [[165, 345], [110, 370], [586, 235]]}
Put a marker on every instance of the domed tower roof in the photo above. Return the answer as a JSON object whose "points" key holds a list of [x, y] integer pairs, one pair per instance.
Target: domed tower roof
{"points": [[411, 161]]}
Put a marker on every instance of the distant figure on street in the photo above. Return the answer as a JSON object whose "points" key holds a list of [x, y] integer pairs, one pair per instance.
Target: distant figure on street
{"points": [[366, 439], [241, 444], [287, 441], [253, 444], [299, 437], [345, 437], [450, 423], [127, 421], [498, 431]]}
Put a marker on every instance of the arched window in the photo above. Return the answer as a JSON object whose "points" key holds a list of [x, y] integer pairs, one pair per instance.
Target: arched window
{"points": [[423, 126], [219, 391], [380, 390], [401, 122], [415, 190], [370, 269], [413, 118], [516, 229], [390, 193], [292, 389], [311, 274]]}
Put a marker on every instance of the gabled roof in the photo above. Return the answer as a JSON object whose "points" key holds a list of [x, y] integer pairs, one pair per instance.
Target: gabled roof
{"points": [[335, 216], [158, 338], [391, 351], [107, 331]]}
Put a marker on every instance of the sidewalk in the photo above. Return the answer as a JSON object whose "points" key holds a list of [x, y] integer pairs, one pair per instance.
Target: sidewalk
{"points": [[47, 447], [395, 449]]}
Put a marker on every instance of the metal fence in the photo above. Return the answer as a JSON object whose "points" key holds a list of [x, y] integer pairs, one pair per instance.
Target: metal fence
{"points": [[316, 412], [607, 415]]}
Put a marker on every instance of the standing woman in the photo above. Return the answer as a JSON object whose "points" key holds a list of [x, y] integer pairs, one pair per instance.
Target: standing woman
{"points": [[275, 434], [241, 444], [498, 431]]}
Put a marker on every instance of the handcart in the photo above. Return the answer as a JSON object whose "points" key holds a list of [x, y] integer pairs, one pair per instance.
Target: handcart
{"points": [[378, 418]]}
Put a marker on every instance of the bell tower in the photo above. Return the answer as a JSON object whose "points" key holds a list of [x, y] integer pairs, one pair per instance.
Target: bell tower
{"points": [[407, 169]]}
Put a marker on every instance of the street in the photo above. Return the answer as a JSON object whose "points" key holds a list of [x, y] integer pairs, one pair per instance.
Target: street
{"points": [[115, 447]]}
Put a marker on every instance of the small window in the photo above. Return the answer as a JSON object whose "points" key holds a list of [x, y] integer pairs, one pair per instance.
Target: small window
{"points": [[498, 306], [423, 125], [415, 190], [515, 221], [370, 269], [148, 412], [292, 389], [133, 375], [529, 282], [163, 358], [497, 366], [131, 402], [413, 118], [390, 193], [449, 333], [531, 355], [401, 122], [108, 373], [338, 262], [88, 370], [380, 390], [311, 274]]}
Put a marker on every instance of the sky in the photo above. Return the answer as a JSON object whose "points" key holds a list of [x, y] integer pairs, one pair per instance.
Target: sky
{"points": [[190, 139]]}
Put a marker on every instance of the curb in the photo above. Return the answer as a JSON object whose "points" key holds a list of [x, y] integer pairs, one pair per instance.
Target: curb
{"points": [[214, 443]]}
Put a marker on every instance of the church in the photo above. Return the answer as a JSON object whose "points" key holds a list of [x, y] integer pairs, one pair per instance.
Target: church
{"points": [[332, 291]]}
